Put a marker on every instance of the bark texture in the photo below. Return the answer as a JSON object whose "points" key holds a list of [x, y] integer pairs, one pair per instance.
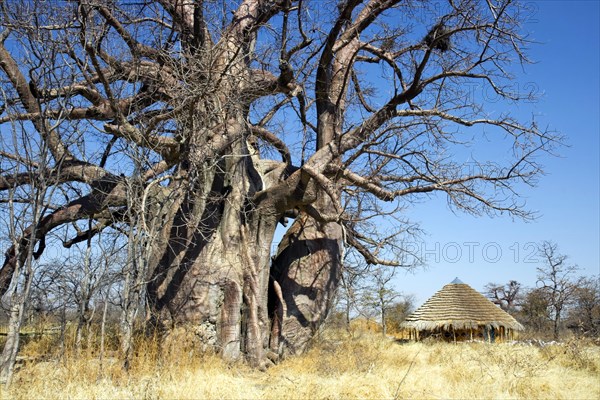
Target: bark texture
{"points": [[213, 257], [308, 270]]}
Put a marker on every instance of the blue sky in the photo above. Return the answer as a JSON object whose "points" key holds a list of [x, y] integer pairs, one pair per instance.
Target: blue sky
{"points": [[482, 249]]}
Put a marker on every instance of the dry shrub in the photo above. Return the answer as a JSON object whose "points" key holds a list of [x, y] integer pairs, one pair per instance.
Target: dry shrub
{"points": [[43, 346], [339, 356], [515, 361], [172, 352], [181, 347], [574, 354]]}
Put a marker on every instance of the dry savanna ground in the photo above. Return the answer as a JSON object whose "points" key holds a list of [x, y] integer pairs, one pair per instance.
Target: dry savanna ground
{"points": [[339, 366]]}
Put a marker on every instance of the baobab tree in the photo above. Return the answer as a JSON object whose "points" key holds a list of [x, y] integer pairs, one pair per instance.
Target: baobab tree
{"points": [[507, 296], [335, 114]]}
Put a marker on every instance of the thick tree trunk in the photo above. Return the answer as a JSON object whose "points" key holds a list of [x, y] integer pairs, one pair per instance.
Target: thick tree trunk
{"points": [[308, 270], [212, 267]]}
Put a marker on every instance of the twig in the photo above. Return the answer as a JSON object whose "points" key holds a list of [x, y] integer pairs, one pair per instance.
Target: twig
{"points": [[406, 374]]}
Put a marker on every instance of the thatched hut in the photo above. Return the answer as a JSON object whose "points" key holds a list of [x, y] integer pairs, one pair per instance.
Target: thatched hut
{"points": [[458, 312]]}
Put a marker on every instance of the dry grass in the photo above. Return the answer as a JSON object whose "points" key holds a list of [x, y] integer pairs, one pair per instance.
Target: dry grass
{"points": [[338, 366]]}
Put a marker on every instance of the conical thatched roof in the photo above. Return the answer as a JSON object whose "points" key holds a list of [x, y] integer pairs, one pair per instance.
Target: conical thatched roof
{"points": [[462, 307]]}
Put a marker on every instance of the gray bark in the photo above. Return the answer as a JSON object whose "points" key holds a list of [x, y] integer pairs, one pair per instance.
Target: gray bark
{"points": [[22, 278], [308, 269]]}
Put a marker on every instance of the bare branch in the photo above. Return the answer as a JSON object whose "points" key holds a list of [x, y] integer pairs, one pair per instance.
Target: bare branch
{"points": [[21, 85]]}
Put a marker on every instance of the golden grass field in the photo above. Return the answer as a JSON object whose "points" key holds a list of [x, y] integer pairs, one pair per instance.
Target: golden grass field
{"points": [[339, 366]]}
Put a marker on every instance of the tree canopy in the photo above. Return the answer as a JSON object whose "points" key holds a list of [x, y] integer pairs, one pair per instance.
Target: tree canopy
{"points": [[202, 124]]}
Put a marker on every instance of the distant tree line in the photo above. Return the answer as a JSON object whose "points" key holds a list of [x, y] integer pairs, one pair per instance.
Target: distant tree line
{"points": [[559, 302], [78, 295]]}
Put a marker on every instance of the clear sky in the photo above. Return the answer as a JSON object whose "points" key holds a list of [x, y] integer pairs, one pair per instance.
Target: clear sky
{"points": [[480, 249]]}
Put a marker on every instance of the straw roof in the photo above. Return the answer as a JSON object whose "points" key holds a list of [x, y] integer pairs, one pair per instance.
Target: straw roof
{"points": [[462, 307]]}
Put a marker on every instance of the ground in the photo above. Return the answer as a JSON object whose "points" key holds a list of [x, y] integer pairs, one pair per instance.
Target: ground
{"points": [[340, 365]]}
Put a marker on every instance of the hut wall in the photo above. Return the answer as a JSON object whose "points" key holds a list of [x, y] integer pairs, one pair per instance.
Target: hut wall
{"points": [[492, 335]]}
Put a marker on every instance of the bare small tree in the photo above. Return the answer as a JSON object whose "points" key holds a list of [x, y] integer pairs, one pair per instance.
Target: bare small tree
{"points": [[88, 274], [398, 311], [584, 313], [535, 311], [24, 208], [144, 225], [379, 294], [555, 280], [353, 276]]}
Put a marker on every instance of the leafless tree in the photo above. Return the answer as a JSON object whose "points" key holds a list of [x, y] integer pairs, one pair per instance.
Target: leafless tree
{"points": [[143, 233], [362, 102], [352, 276], [506, 296], [90, 272], [22, 210], [534, 312], [555, 279], [398, 311], [380, 295], [584, 313]]}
